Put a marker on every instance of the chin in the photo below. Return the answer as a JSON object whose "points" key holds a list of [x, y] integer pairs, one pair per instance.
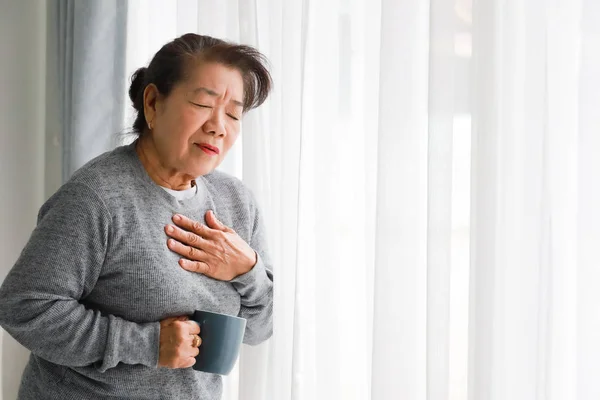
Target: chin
{"points": [[203, 170]]}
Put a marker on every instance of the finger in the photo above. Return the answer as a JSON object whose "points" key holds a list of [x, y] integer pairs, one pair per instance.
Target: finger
{"points": [[195, 341], [213, 222], [189, 351], [181, 330], [194, 328], [186, 237], [189, 362], [198, 267], [193, 226], [192, 253]]}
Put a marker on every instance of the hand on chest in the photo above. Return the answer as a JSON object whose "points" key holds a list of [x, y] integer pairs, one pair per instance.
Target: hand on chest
{"points": [[145, 280]]}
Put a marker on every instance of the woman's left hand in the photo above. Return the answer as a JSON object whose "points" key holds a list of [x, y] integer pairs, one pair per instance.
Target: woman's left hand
{"points": [[215, 250]]}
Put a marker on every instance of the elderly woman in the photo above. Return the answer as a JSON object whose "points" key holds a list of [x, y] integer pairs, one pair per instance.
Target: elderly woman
{"points": [[100, 294]]}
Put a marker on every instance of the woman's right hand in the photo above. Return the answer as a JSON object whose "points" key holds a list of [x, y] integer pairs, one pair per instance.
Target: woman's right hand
{"points": [[177, 337]]}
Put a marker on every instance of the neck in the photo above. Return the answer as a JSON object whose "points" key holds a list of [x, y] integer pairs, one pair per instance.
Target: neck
{"points": [[157, 169]]}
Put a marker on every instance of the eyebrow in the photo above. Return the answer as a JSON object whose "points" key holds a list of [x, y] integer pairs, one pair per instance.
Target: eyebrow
{"points": [[215, 94]]}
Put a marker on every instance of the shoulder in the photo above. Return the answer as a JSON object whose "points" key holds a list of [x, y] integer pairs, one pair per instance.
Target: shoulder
{"points": [[106, 171], [93, 185], [74, 203], [112, 176]]}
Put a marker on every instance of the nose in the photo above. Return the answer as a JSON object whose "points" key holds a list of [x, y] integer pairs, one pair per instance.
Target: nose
{"points": [[215, 124]]}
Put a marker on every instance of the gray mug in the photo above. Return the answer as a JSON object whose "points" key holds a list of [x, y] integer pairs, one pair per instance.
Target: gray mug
{"points": [[222, 337]]}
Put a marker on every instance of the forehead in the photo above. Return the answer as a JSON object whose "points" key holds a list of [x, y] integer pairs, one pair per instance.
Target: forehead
{"points": [[223, 80]]}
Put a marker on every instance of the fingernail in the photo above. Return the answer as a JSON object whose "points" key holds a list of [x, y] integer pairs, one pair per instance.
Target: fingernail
{"points": [[169, 229], [177, 217], [171, 242]]}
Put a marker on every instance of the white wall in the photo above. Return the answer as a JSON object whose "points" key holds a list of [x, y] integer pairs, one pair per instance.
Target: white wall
{"points": [[22, 149]]}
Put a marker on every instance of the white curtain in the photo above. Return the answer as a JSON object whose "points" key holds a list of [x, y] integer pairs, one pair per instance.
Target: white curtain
{"points": [[535, 320], [429, 171]]}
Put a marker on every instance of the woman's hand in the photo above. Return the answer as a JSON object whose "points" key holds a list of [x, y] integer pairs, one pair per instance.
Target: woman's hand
{"points": [[214, 250], [179, 342]]}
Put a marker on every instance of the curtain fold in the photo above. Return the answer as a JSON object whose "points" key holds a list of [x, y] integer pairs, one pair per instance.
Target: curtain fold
{"points": [[441, 98], [400, 270], [90, 39]]}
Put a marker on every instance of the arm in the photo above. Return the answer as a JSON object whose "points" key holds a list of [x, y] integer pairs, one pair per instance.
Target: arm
{"points": [[256, 288], [39, 299]]}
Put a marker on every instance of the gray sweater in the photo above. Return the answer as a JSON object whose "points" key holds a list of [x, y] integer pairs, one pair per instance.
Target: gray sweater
{"points": [[96, 277]]}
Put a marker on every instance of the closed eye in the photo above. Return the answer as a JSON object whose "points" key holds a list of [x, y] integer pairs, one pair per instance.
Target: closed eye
{"points": [[205, 106], [200, 105]]}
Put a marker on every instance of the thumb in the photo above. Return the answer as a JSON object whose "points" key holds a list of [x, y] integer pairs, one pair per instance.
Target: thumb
{"points": [[213, 222]]}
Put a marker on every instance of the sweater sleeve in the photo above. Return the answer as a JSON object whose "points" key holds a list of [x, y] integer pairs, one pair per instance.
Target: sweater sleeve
{"points": [[40, 297], [256, 287]]}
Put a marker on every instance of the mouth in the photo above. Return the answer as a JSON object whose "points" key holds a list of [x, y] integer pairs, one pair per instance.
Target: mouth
{"points": [[208, 149]]}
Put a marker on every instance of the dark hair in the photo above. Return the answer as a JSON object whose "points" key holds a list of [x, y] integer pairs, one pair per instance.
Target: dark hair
{"points": [[168, 67]]}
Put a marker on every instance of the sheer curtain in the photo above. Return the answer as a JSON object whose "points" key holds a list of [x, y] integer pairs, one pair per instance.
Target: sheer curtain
{"points": [[535, 231], [429, 174]]}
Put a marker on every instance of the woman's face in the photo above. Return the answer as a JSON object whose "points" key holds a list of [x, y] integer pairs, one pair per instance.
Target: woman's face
{"points": [[195, 126]]}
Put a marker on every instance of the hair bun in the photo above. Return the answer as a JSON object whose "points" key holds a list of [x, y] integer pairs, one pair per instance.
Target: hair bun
{"points": [[137, 87]]}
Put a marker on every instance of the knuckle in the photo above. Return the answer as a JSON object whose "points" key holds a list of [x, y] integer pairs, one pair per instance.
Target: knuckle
{"points": [[179, 327], [192, 238], [214, 247], [192, 252], [196, 226], [205, 268], [219, 251]]}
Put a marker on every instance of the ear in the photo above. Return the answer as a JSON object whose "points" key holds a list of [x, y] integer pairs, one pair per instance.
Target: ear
{"points": [[151, 99]]}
